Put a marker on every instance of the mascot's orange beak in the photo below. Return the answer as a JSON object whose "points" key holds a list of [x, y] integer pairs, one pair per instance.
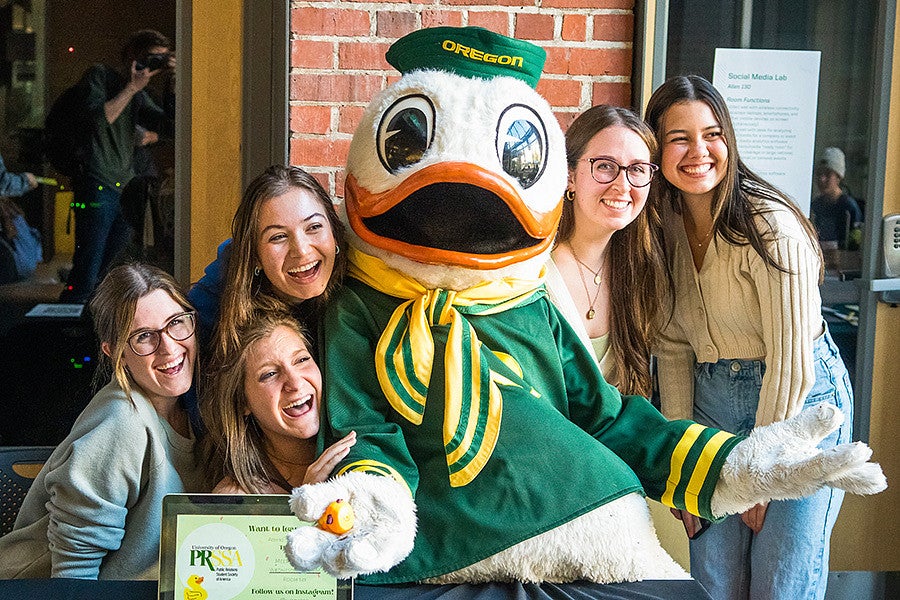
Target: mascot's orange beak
{"points": [[451, 213]]}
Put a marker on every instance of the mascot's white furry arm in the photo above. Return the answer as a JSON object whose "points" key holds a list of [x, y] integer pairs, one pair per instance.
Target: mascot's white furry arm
{"points": [[489, 448]]}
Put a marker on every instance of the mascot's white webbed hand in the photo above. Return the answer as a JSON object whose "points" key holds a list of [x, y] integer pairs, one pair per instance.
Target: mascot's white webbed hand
{"points": [[781, 461], [382, 535]]}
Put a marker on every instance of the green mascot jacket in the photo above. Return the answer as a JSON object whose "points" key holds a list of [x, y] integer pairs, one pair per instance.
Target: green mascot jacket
{"points": [[553, 442]]}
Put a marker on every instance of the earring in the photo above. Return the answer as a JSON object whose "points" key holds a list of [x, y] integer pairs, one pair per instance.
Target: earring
{"points": [[570, 195], [256, 271], [337, 250]]}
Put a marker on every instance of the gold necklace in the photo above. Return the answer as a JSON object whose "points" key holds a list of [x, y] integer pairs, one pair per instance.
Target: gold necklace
{"points": [[693, 239], [597, 281], [700, 243]]}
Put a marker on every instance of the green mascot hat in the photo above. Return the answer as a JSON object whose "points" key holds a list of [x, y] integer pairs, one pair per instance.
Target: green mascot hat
{"points": [[468, 51]]}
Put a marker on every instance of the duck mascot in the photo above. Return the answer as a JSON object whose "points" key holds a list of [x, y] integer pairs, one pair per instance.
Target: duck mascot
{"points": [[489, 447]]}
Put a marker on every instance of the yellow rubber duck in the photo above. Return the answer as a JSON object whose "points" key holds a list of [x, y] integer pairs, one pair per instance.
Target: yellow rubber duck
{"points": [[194, 591]]}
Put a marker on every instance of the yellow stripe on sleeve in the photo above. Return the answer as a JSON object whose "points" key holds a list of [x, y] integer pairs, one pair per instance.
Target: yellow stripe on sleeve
{"points": [[678, 457], [377, 468], [701, 470]]}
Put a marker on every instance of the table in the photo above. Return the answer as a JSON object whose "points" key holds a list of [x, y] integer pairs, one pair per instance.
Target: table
{"points": [[77, 589]]}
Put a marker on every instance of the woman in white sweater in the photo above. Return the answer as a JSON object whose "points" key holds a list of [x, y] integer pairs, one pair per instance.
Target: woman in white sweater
{"points": [[607, 260], [746, 344]]}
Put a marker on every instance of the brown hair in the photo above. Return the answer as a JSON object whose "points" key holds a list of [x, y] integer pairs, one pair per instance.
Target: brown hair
{"points": [[113, 306], [735, 204], [140, 42], [235, 445], [637, 276], [245, 293]]}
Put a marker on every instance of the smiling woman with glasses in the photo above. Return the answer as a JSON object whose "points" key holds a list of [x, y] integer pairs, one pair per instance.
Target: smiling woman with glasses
{"points": [[130, 446], [606, 261]]}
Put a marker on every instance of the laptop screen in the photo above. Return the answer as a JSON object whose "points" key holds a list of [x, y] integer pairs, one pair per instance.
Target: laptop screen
{"points": [[223, 546]]}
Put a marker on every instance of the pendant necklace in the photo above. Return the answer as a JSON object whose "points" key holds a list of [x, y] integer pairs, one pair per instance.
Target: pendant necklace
{"points": [[693, 239], [597, 280], [702, 241]]}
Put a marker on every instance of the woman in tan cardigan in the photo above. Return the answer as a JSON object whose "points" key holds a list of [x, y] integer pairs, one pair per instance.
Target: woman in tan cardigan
{"points": [[746, 344]]}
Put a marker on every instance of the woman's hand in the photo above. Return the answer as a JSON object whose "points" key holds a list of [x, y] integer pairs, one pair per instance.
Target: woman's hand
{"points": [[692, 523], [324, 465], [755, 516]]}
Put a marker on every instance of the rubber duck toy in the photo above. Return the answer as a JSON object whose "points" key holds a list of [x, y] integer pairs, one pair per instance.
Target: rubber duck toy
{"points": [[194, 589], [489, 447]]}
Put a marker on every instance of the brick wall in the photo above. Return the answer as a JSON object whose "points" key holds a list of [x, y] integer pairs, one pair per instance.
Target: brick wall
{"points": [[337, 61]]}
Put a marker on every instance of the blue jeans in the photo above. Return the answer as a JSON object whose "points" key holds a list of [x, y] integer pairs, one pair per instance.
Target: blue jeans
{"points": [[101, 234], [788, 559]]}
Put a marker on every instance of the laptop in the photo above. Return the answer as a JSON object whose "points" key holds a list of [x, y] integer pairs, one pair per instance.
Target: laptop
{"points": [[224, 546]]}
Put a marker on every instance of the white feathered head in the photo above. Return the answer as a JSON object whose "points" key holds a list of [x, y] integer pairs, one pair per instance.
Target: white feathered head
{"points": [[456, 171]]}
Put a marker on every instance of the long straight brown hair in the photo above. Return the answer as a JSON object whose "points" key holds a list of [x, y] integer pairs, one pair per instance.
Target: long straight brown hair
{"points": [[235, 445], [244, 292], [735, 204], [636, 273]]}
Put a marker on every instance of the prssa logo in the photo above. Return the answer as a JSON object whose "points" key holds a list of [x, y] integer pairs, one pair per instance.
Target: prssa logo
{"points": [[222, 554]]}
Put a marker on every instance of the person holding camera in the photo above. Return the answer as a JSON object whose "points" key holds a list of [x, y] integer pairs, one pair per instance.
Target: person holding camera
{"points": [[115, 103]]}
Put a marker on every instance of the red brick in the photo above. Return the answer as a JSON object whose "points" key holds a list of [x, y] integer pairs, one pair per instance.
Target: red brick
{"points": [[329, 21], [574, 28], [334, 87], [560, 92], [349, 118], [312, 55], [614, 28], [530, 26], [557, 60], [611, 92], [565, 118], [319, 151], [600, 61], [495, 21], [322, 178], [394, 24], [362, 55], [593, 4], [441, 18], [340, 178], [310, 119], [494, 3]]}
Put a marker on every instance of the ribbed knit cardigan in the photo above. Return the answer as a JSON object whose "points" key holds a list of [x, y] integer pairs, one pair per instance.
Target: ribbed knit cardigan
{"points": [[736, 307]]}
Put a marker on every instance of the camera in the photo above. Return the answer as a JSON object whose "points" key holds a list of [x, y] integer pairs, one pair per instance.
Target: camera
{"points": [[153, 61]]}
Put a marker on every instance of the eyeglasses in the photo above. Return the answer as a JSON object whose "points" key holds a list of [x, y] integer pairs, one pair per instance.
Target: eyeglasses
{"points": [[179, 328], [604, 170]]}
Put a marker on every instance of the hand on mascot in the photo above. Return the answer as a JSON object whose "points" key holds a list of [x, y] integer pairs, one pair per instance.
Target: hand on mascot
{"points": [[382, 535], [781, 461]]}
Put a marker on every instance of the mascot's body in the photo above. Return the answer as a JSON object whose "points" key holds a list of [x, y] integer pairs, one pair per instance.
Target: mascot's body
{"points": [[474, 402]]}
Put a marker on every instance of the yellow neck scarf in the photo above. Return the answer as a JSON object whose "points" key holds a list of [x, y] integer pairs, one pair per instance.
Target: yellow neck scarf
{"points": [[405, 355]]}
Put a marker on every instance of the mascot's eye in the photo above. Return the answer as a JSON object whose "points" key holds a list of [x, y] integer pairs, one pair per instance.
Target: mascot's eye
{"points": [[405, 133], [522, 144]]}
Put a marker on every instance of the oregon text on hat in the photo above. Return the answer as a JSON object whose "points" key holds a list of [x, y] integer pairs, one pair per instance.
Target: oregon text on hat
{"points": [[476, 54], [468, 51]]}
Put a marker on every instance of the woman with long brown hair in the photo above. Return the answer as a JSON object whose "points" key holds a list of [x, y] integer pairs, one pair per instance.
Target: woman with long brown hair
{"points": [[285, 253], [262, 412], [746, 345], [607, 260]]}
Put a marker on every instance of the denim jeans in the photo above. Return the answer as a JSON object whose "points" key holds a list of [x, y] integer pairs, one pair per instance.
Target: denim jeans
{"points": [[101, 234], [788, 559]]}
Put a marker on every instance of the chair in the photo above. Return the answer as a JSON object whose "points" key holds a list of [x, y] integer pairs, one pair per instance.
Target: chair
{"points": [[19, 465]]}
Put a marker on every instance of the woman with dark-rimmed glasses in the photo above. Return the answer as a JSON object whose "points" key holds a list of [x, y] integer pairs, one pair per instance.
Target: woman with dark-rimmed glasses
{"points": [[606, 270], [94, 511]]}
